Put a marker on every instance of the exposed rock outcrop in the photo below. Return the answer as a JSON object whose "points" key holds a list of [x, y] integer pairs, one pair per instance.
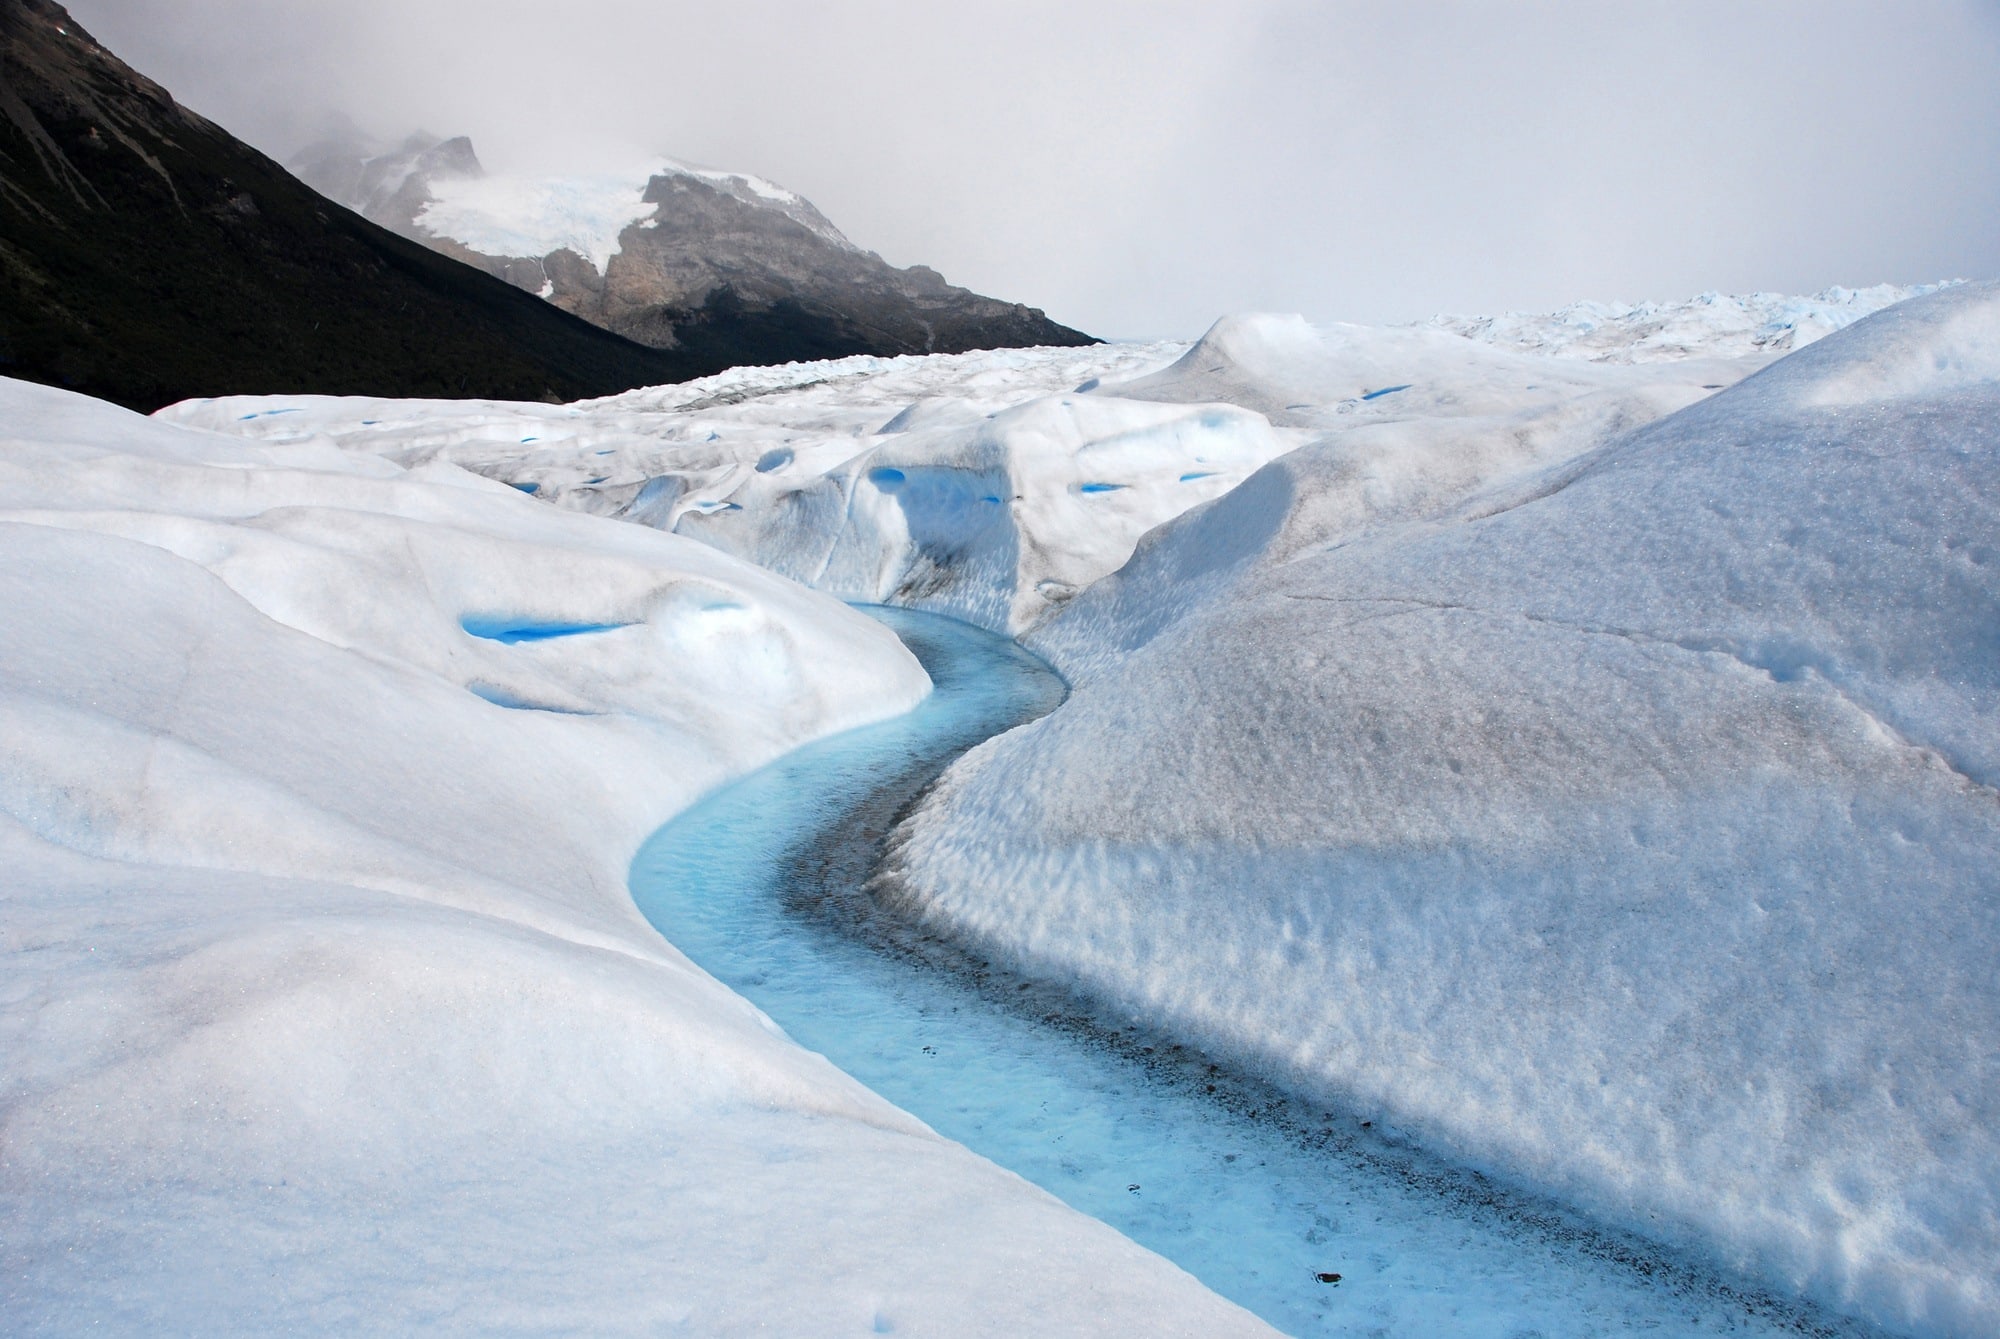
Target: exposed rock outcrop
{"points": [[720, 266]]}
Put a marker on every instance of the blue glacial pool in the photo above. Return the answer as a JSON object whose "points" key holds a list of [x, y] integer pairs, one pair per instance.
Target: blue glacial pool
{"points": [[1262, 1199]]}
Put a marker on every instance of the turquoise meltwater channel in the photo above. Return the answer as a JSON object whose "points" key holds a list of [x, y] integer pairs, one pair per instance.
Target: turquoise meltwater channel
{"points": [[1296, 1213]]}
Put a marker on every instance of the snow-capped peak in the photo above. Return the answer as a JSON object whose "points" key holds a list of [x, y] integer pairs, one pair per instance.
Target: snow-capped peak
{"points": [[509, 214]]}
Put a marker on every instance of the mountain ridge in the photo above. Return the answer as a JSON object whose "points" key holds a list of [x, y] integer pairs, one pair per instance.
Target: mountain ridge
{"points": [[148, 256], [669, 254]]}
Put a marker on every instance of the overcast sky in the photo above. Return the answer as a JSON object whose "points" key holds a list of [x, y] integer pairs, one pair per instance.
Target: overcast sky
{"points": [[1139, 168]]}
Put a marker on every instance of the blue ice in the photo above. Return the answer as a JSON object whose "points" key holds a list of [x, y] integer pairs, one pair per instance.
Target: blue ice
{"points": [[1198, 474], [529, 487], [1253, 1195], [1098, 488], [1386, 390], [513, 630], [500, 697]]}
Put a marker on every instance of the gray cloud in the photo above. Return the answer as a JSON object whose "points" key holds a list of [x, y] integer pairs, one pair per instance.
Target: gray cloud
{"points": [[1138, 168]]}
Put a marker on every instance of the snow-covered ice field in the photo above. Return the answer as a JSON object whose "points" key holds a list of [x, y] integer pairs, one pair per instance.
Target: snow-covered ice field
{"points": [[1303, 1215], [324, 1003], [1625, 826], [1567, 742]]}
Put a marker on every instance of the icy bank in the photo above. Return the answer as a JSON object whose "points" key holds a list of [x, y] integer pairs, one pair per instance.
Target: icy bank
{"points": [[324, 1005], [1626, 826]]}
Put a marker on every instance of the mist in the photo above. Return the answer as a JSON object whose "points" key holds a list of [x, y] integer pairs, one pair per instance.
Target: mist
{"points": [[1138, 169]]}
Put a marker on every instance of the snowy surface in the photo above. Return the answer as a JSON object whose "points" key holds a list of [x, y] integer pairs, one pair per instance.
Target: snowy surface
{"points": [[1714, 324], [1257, 1197], [993, 486], [1558, 753], [1623, 822], [324, 1003], [512, 214], [980, 485]]}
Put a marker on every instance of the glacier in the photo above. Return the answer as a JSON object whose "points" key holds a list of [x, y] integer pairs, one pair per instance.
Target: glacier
{"points": [[325, 1004], [993, 486], [1563, 742], [1625, 826]]}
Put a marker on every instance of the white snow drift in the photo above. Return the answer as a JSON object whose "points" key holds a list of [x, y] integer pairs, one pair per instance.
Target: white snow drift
{"points": [[1627, 826], [324, 1005]]}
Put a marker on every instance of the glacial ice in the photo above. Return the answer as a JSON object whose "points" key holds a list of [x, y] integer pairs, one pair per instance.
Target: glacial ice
{"points": [[1712, 325], [323, 1002], [983, 485], [1623, 823], [1580, 760], [1303, 1215]]}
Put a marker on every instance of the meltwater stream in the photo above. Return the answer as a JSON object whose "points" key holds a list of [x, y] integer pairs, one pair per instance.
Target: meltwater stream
{"points": [[1295, 1214]]}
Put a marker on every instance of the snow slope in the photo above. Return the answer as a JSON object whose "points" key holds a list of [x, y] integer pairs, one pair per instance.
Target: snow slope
{"points": [[508, 214], [995, 485], [324, 1005], [1624, 823]]}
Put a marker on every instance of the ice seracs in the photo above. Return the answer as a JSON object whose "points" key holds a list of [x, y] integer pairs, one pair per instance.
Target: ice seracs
{"points": [[1714, 324], [996, 485]]}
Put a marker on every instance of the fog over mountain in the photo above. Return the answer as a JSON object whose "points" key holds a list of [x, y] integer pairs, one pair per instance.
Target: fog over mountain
{"points": [[1137, 169]]}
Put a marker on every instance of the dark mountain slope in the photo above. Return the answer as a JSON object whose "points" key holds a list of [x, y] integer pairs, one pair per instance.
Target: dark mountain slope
{"points": [[147, 256]]}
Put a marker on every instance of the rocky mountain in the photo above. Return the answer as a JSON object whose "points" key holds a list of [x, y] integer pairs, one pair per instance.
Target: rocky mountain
{"points": [[147, 256], [719, 266]]}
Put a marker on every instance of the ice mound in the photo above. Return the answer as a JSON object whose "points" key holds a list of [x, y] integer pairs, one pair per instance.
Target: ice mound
{"points": [[1624, 824], [325, 1006]]}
